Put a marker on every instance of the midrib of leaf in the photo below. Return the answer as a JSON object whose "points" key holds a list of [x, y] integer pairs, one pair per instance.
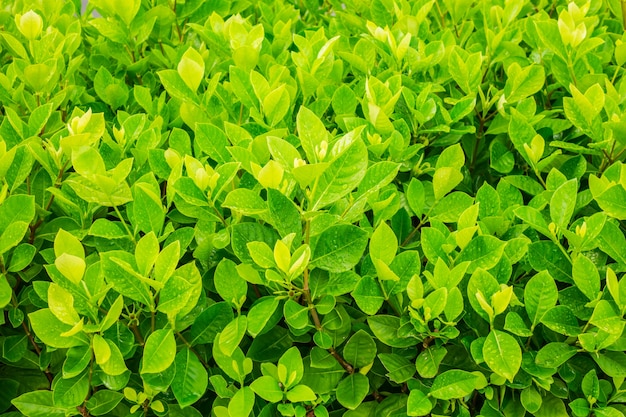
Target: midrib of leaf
{"points": [[334, 176]]}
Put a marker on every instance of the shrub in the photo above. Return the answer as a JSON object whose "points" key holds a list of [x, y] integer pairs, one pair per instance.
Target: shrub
{"points": [[350, 208]]}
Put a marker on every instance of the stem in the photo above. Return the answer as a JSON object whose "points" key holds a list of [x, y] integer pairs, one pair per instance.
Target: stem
{"points": [[191, 349], [130, 234], [417, 228], [31, 339], [316, 319], [138, 335], [57, 183]]}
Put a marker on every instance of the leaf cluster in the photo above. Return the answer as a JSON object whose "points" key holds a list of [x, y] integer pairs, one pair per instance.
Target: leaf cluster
{"points": [[359, 208]]}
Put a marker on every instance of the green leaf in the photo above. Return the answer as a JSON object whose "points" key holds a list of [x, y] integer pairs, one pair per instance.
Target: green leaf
{"points": [[213, 142], [563, 202], [428, 361], [231, 336], [242, 403], [22, 256], [399, 368], [229, 285], [123, 280], [531, 400], [290, 367], [6, 292], [586, 277], [103, 401], [311, 131], [383, 244], [456, 384], [562, 320], [16, 212], [418, 404], [50, 329], [71, 392], [612, 363], [540, 295], [159, 351], [191, 378], [385, 328], [175, 85], [352, 390], [211, 322], [368, 295], [482, 252], [344, 173], [148, 212], [360, 350], [522, 83], [339, 248], [301, 393], [544, 255], [554, 354], [445, 180], [267, 388], [260, 314], [38, 404], [502, 354], [284, 214]]}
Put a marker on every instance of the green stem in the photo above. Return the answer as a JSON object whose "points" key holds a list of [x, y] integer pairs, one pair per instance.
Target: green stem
{"points": [[130, 234]]}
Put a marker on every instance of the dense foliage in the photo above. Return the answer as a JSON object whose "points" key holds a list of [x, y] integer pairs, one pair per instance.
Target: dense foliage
{"points": [[360, 208]]}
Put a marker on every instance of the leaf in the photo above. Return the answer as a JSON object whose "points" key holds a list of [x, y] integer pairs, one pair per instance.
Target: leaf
{"points": [[385, 328], [586, 277], [290, 367], [562, 320], [71, 392], [540, 295], [242, 403], [344, 173], [148, 212], [50, 329], [103, 401], [284, 214], [339, 248], [211, 322], [352, 390], [212, 141], [360, 350], [368, 295], [383, 244], [191, 378], [38, 404], [123, 280], [6, 292], [232, 334], [456, 384], [418, 404], [260, 314], [502, 354], [229, 285], [428, 361], [175, 85], [523, 82], [159, 351], [311, 131], [267, 388], [399, 368], [544, 255], [301, 393], [482, 252], [563, 202], [612, 363]]}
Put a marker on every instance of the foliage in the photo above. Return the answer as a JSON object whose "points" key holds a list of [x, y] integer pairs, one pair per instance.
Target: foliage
{"points": [[360, 208]]}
